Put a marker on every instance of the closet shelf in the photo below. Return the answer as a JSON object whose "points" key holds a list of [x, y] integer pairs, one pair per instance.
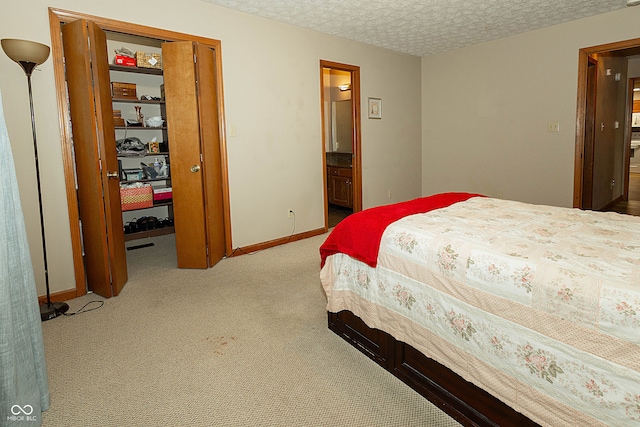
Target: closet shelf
{"points": [[138, 70], [140, 128], [138, 101]]}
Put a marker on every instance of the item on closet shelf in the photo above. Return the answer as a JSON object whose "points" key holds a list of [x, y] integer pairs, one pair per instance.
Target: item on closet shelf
{"points": [[123, 90], [117, 118], [133, 174], [125, 61], [161, 194], [125, 57], [125, 51], [154, 122], [131, 226], [153, 146], [139, 115], [149, 98], [133, 123], [149, 60], [148, 172], [147, 223], [136, 196], [164, 170], [130, 146]]}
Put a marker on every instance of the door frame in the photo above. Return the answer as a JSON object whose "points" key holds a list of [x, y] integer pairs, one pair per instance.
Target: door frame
{"points": [[57, 18], [589, 134], [629, 131], [622, 48], [356, 114]]}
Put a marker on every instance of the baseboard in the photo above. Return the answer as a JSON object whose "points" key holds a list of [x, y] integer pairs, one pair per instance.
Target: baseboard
{"points": [[277, 242], [612, 203], [60, 296]]}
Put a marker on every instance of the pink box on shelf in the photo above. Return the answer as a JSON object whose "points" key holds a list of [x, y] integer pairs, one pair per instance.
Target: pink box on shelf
{"points": [[160, 194]]}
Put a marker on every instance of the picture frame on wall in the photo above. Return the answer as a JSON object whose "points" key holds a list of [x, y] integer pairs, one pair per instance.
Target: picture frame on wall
{"points": [[375, 108]]}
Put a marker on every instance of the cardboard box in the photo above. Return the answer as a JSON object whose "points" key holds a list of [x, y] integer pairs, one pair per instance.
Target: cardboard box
{"points": [[136, 197], [149, 60], [126, 61]]}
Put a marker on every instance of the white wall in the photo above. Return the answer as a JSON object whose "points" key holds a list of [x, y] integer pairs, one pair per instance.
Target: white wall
{"points": [[485, 111], [271, 76]]}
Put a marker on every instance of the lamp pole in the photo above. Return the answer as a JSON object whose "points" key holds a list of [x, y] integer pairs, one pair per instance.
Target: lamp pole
{"points": [[29, 55]]}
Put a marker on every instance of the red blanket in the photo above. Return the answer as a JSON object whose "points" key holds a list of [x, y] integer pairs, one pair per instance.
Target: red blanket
{"points": [[359, 235]]}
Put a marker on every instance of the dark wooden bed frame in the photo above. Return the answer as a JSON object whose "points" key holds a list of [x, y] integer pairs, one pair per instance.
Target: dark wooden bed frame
{"points": [[466, 403]]}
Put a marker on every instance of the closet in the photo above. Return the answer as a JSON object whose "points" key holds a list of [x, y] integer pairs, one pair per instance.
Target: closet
{"points": [[184, 93]]}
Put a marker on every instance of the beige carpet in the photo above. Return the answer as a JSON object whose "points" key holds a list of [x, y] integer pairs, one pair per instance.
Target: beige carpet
{"points": [[242, 344]]}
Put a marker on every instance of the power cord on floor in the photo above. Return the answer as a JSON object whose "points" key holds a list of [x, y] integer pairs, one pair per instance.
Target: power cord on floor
{"points": [[82, 309]]}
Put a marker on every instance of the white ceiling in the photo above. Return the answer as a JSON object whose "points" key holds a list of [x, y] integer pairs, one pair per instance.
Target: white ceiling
{"points": [[423, 27]]}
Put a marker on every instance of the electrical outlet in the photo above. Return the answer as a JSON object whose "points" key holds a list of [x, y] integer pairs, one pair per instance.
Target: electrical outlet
{"points": [[553, 127], [290, 213], [389, 193]]}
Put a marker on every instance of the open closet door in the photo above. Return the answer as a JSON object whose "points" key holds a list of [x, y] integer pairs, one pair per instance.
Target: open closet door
{"points": [[211, 150], [194, 146], [91, 111]]}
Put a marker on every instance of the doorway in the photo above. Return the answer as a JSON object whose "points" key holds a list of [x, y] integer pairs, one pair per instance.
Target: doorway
{"points": [[212, 147], [585, 178], [630, 203], [341, 145]]}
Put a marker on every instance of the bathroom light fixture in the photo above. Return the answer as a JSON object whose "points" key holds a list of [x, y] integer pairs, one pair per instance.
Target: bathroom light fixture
{"points": [[29, 55], [348, 86]]}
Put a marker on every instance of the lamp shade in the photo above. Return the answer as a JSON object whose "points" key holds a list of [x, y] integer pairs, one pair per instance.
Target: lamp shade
{"points": [[25, 51]]}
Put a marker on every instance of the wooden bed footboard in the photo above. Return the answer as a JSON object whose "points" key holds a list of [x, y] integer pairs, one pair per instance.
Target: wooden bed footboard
{"points": [[466, 403]]}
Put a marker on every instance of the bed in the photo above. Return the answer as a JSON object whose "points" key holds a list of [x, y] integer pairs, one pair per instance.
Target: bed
{"points": [[499, 312]]}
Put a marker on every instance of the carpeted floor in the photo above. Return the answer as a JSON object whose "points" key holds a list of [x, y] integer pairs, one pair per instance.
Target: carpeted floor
{"points": [[242, 344]]}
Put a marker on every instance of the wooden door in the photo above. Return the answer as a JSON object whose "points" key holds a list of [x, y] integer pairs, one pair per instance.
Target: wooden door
{"points": [[91, 111], [183, 127], [210, 146], [589, 136]]}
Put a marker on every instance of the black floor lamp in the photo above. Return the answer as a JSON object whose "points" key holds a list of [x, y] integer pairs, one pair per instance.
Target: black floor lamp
{"points": [[29, 55]]}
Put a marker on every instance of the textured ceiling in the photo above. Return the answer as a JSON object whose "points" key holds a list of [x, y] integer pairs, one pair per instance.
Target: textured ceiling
{"points": [[423, 27]]}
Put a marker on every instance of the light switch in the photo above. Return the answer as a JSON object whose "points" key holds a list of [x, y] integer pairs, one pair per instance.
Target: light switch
{"points": [[553, 127], [232, 130]]}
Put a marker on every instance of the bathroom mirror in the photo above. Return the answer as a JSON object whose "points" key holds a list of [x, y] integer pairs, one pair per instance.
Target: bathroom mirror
{"points": [[338, 111], [341, 127]]}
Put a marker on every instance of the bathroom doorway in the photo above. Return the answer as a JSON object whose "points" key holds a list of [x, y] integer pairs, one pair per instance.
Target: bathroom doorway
{"points": [[584, 196], [341, 113]]}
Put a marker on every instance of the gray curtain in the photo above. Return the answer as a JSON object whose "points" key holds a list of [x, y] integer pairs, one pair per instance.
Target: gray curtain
{"points": [[24, 387]]}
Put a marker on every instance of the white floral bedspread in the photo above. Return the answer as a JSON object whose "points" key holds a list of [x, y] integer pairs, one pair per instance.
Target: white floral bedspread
{"points": [[548, 297]]}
